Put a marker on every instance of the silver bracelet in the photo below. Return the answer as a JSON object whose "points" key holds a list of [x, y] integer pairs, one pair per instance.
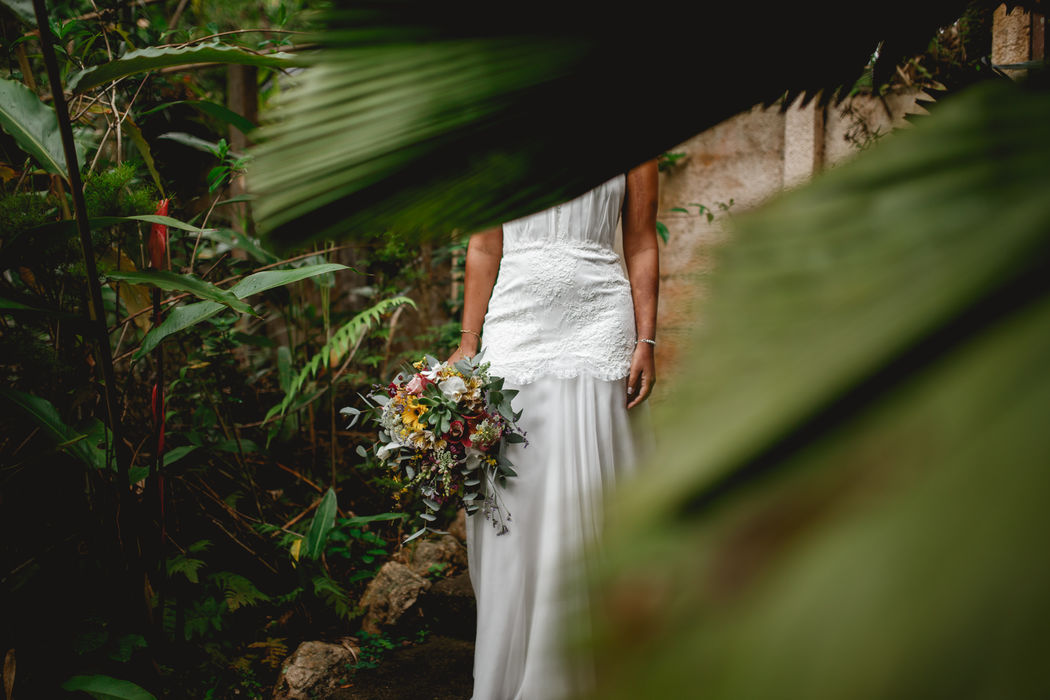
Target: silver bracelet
{"points": [[646, 340]]}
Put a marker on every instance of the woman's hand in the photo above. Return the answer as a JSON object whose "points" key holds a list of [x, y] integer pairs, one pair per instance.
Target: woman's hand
{"points": [[642, 376], [465, 349]]}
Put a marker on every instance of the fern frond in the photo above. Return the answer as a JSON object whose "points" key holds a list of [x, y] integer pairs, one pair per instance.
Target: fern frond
{"points": [[238, 591], [334, 596], [341, 342], [187, 566]]}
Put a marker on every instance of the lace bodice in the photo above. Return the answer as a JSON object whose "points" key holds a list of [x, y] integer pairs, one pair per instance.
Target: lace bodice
{"points": [[561, 304]]}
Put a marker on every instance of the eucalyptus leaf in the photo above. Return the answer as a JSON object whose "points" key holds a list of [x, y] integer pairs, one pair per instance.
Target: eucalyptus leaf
{"points": [[414, 535]]}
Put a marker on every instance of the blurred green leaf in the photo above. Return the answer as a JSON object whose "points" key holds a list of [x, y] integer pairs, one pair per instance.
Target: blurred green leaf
{"points": [[428, 119], [849, 497], [22, 9]]}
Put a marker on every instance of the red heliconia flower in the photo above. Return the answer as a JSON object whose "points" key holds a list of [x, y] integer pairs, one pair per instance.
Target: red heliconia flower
{"points": [[157, 404], [158, 238]]}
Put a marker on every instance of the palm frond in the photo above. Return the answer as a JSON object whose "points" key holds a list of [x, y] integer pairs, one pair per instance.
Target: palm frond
{"points": [[427, 119]]}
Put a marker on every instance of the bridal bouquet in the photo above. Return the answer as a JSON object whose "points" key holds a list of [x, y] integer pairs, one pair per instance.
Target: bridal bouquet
{"points": [[443, 432]]}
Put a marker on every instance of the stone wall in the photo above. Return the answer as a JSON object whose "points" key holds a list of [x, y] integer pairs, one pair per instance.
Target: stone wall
{"points": [[745, 160]]}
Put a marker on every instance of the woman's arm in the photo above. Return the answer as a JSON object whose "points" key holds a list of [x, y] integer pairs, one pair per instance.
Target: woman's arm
{"points": [[642, 257], [484, 251]]}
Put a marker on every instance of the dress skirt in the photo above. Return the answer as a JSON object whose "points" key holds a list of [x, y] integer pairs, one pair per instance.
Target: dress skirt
{"points": [[581, 442]]}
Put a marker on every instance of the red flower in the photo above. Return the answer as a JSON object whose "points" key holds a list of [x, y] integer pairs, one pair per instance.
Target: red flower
{"points": [[158, 238], [457, 432], [157, 407]]}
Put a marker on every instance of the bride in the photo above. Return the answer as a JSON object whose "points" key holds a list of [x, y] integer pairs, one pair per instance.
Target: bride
{"points": [[562, 324]]}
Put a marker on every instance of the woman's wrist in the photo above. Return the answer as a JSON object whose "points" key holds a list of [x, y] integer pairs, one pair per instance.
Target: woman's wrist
{"points": [[469, 343]]}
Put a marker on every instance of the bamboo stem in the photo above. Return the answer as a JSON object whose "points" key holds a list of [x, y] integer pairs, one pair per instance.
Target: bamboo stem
{"points": [[80, 208]]}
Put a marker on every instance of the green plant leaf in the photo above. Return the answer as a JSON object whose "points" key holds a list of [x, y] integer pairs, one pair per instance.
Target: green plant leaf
{"points": [[343, 341], [69, 226], [195, 142], [213, 109], [103, 687], [179, 318], [33, 125], [182, 317], [142, 145], [321, 524], [176, 453], [235, 239], [238, 591], [22, 9], [268, 279], [174, 282], [78, 444], [149, 59]]}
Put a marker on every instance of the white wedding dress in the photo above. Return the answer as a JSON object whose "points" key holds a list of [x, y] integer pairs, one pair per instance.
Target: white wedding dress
{"points": [[560, 328]]}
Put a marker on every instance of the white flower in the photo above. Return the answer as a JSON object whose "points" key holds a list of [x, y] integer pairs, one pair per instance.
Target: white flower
{"points": [[453, 387], [387, 449], [432, 372]]}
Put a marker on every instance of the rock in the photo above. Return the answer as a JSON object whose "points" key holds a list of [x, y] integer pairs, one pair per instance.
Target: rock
{"points": [[314, 670], [458, 527], [390, 594], [432, 553]]}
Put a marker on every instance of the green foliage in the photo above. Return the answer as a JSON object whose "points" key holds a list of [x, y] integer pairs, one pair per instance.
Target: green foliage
{"points": [[857, 496], [103, 687], [33, 125], [21, 211], [82, 444], [321, 524], [372, 648], [154, 58], [182, 317], [183, 563], [334, 596], [164, 279], [364, 549], [237, 590], [342, 343], [118, 191]]}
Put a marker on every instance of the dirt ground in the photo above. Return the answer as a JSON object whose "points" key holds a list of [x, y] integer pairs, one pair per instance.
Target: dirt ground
{"points": [[439, 668]]}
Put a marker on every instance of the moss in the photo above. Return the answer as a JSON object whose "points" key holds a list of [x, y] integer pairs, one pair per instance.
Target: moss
{"points": [[21, 211], [118, 192]]}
